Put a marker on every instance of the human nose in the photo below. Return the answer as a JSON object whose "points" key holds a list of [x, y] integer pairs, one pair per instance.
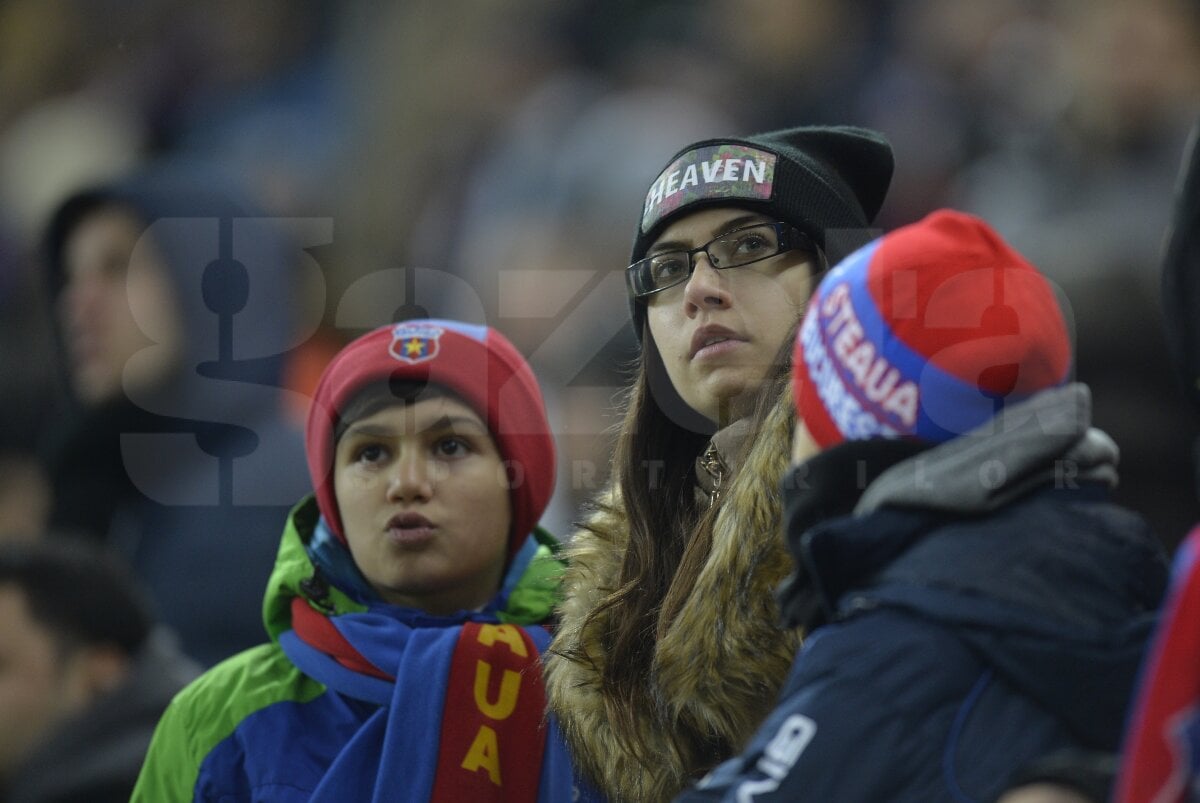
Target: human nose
{"points": [[412, 478], [706, 288]]}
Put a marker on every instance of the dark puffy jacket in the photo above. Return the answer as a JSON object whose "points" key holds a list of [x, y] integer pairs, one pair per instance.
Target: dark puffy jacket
{"points": [[967, 625]]}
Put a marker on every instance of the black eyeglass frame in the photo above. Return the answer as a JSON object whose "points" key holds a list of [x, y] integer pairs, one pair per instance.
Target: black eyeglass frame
{"points": [[787, 237]]}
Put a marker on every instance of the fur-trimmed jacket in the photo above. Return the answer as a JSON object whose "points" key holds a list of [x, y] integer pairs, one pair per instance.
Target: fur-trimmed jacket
{"points": [[716, 672]]}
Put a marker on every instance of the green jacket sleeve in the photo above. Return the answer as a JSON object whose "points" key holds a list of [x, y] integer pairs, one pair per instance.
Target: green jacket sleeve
{"points": [[172, 763]]}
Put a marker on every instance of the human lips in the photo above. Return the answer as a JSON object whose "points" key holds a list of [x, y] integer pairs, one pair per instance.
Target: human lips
{"points": [[710, 339], [410, 528]]}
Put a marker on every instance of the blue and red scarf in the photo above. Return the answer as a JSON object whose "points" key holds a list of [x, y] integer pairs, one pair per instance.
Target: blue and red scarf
{"points": [[1162, 747], [461, 700]]}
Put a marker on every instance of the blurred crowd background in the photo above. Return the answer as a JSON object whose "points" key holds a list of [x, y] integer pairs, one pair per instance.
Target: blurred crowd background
{"points": [[487, 159]]}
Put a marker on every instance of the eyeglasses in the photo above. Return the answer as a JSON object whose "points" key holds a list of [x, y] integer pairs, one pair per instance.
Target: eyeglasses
{"points": [[732, 250]]}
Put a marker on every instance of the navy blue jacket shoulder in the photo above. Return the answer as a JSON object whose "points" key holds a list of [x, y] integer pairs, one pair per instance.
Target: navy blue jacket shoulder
{"points": [[983, 605]]}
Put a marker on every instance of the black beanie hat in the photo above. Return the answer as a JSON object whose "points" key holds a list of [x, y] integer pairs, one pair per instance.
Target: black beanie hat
{"points": [[827, 181]]}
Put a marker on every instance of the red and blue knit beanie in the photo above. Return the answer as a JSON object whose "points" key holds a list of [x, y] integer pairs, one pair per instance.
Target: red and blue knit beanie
{"points": [[927, 333], [476, 363]]}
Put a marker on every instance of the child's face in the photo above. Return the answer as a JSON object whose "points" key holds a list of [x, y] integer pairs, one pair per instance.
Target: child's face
{"points": [[424, 500]]}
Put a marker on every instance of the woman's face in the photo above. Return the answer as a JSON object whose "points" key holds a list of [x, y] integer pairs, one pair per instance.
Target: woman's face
{"points": [[424, 500], [719, 331]]}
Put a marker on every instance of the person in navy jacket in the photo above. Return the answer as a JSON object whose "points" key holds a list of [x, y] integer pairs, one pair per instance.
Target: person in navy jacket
{"points": [[972, 600]]}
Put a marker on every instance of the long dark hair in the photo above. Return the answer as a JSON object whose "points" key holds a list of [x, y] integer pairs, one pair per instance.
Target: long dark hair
{"points": [[670, 533]]}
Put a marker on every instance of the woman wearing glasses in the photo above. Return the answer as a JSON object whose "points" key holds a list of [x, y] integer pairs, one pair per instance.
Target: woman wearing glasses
{"points": [[669, 652]]}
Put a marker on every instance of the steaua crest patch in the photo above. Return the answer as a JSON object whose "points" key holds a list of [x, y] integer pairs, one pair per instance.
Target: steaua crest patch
{"points": [[413, 343]]}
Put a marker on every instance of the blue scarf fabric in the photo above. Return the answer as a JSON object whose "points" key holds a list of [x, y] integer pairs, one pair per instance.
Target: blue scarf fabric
{"points": [[430, 735]]}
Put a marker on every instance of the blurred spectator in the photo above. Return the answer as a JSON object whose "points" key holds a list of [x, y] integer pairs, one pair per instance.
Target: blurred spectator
{"points": [[267, 101], [779, 61], [173, 309], [426, 86], [1084, 110], [84, 675]]}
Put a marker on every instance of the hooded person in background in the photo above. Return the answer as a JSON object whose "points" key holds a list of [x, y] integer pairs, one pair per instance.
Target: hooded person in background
{"points": [[1160, 761], [975, 602], [172, 308], [670, 651], [84, 674], [410, 600]]}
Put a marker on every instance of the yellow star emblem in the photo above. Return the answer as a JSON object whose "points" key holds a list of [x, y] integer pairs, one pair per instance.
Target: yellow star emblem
{"points": [[413, 347]]}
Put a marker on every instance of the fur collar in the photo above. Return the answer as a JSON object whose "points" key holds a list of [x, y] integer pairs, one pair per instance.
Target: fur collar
{"points": [[717, 671]]}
